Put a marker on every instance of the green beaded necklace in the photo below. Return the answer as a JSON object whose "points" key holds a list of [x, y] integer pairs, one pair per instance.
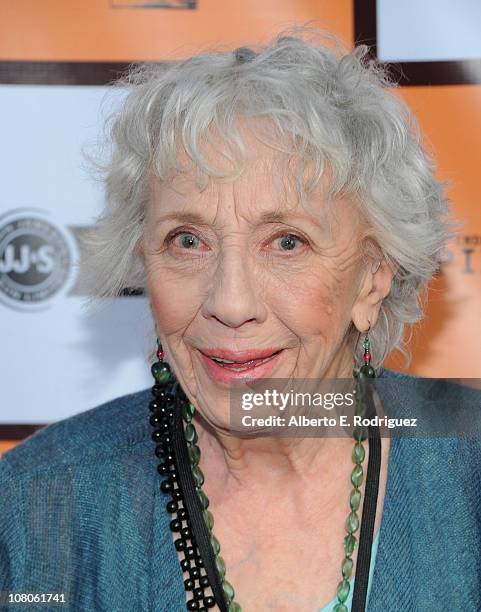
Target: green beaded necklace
{"points": [[162, 418]]}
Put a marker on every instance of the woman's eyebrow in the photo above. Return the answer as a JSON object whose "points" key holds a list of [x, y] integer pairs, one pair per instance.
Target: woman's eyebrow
{"points": [[273, 216], [183, 217], [289, 217]]}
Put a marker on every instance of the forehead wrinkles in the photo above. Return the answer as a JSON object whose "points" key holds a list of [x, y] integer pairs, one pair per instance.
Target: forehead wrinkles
{"points": [[260, 188], [267, 183]]}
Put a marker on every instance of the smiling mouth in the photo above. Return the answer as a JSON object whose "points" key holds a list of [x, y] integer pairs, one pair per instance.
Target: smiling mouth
{"points": [[241, 366]]}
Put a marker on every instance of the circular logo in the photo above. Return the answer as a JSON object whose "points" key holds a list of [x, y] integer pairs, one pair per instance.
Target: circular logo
{"points": [[35, 259]]}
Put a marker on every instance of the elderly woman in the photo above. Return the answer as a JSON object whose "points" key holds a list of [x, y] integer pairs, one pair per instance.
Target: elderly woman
{"points": [[277, 207]]}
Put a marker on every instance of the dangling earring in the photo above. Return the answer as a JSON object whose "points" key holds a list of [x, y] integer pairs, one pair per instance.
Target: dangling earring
{"points": [[160, 370], [366, 370]]}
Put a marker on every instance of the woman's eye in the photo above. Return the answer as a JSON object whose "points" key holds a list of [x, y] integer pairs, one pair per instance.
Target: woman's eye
{"points": [[189, 241], [186, 240], [288, 242]]}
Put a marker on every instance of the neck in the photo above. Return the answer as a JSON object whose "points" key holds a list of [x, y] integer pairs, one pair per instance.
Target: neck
{"points": [[237, 467]]}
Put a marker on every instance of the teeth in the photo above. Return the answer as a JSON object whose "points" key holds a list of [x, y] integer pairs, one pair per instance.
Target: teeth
{"points": [[241, 366]]}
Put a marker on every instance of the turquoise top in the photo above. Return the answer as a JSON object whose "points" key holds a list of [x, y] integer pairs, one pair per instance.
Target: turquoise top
{"points": [[330, 606]]}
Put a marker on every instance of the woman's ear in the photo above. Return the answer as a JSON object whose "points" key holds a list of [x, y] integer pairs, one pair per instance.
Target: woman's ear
{"points": [[375, 286]]}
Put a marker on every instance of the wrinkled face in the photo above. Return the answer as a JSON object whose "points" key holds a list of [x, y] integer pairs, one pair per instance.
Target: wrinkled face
{"points": [[242, 272]]}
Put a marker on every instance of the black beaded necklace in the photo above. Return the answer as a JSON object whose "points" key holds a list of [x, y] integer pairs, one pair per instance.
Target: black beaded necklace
{"points": [[175, 437]]}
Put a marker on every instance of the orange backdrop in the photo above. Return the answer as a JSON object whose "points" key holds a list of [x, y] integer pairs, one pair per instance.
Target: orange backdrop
{"points": [[91, 30]]}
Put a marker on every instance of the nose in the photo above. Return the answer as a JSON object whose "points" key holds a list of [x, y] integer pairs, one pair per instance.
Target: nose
{"points": [[234, 298]]}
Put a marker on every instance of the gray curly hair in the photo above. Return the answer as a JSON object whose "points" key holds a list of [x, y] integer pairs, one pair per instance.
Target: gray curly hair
{"points": [[333, 105]]}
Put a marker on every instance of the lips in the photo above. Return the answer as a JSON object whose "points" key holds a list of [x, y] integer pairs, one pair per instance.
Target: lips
{"points": [[225, 365]]}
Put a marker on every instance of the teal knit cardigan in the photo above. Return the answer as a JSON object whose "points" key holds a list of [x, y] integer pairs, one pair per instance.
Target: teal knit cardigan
{"points": [[81, 514]]}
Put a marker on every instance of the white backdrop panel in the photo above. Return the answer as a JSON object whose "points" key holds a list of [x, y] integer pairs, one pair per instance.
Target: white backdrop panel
{"points": [[428, 30], [56, 358]]}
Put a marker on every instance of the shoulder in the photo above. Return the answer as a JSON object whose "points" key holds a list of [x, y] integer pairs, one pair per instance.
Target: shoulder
{"points": [[78, 498], [447, 396], [387, 373], [119, 425], [438, 388], [448, 420]]}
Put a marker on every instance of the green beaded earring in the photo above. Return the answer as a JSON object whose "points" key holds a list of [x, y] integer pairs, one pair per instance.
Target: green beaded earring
{"points": [[366, 370], [160, 370]]}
